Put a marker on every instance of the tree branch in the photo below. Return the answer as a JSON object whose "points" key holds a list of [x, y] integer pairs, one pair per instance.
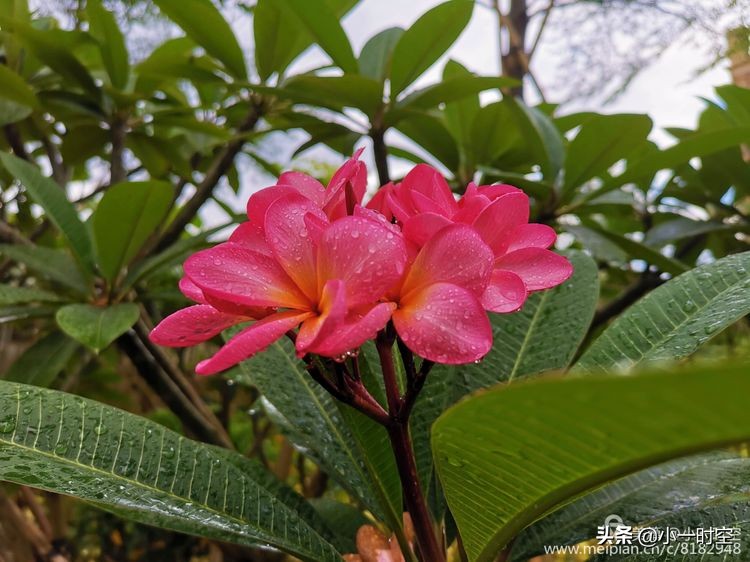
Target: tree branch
{"points": [[117, 171], [13, 136], [381, 155], [167, 389], [220, 165]]}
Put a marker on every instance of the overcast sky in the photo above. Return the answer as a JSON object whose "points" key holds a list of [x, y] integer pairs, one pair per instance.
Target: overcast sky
{"points": [[669, 91]]}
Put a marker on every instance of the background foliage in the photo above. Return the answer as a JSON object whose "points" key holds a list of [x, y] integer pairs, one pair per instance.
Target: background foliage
{"points": [[108, 154]]}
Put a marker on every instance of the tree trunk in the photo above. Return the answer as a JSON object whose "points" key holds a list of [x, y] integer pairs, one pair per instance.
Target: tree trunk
{"points": [[514, 59]]}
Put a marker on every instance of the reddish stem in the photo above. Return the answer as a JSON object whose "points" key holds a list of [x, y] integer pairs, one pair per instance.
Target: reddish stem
{"points": [[398, 432]]}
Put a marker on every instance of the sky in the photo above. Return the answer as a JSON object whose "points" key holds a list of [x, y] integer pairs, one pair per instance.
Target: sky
{"points": [[669, 90]]}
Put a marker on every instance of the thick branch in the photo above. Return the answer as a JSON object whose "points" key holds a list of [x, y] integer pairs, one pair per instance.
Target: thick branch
{"points": [[381, 155], [220, 165], [13, 136], [167, 389]]}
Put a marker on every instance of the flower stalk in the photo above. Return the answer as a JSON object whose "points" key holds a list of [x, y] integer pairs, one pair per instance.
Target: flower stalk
{"points": [[399, 411]]}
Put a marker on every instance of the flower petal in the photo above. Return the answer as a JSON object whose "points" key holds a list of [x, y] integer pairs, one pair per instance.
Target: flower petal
{"points": [[379, 201], [505, 293], [376, 217], [494, 191], [353, 331], [246, 277], [456, 254], [291, 242], [530, 235], [332, 310], [250, 235], [399, 204], [470, 206], [259, 202], [306, 185], [538, 268], [250, 341], [444, 323], [427, 181], [354, 172], [192, 325], [502, 215], [367, 256], [191, 290], [420, 228]]}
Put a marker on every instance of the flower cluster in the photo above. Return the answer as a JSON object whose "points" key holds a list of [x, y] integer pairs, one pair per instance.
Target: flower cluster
{"points": [[314, 263]]}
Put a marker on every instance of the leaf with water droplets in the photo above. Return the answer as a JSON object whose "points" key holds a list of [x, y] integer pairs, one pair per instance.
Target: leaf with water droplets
{"points": [[507, 456], [693, 492], [311, 418], [677, 318], [145, 472]]}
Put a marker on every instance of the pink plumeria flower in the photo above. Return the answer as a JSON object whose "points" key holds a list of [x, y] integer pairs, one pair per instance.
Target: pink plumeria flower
{"points": [[441, 309], [325, 277], [424, 204]]}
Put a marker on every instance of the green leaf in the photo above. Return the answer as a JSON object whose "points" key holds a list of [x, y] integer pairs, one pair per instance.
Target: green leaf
{"points": [[55, 265], [601, 247], [45, 47], [543, 335], [696, 145], [350, 90], [343, 519], [502, 468], [206, 26], [375, 58], [375, 450], [22, 312], [493, 132], [16, 89], [679, 228], [537, 189], [653, 497], [280, 36], [175, 254], [20, 295], [602, 141], [426, 40], [323, 24], [139, 469], [103, 27], [42, 362], [312, 416], [518, 136], [51, 197], [94, 326], [124, 219], [675, 319], [637, 251], [543, 137], [453, 88], [459, 114], [12, 112], [272, 29], [430, 133]]}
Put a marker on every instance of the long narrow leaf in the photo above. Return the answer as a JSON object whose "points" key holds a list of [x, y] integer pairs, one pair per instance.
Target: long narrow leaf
{"points": [[507, 456], [70, 445]]}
